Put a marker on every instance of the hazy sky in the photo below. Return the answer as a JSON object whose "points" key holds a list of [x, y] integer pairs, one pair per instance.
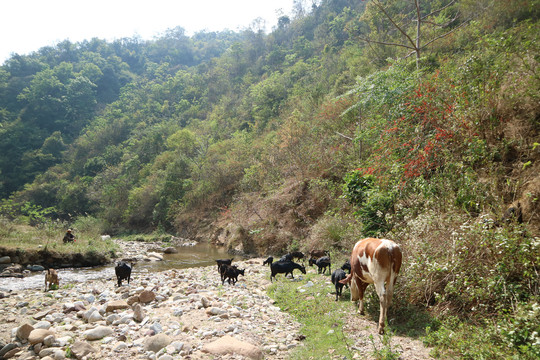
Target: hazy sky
{"points": [[27, 25]]}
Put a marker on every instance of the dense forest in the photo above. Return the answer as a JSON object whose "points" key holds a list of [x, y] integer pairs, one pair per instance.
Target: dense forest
{"points": [[412, 120]]}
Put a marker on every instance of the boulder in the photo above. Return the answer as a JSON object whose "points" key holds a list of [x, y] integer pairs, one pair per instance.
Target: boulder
{"points": [[157, 342], [80, 349], [23, 331], [229, 345], [153, 256], [132, 300], [38, 335], [98, 333], [7, 348], [170, 250], [147, 296], [5, 260], [116, 305]]}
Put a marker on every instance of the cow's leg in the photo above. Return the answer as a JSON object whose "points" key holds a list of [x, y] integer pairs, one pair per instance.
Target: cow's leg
{"points": [[362, 288], [383, 300], [358, 287]]}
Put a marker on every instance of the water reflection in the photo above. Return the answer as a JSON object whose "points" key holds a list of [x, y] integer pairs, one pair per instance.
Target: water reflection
{"points": [[201, 254]]}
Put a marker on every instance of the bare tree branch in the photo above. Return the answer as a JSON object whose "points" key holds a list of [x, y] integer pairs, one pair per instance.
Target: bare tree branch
{"points": [[385, 43], [439, 10], [445, 34], [345, 136], [380, 6], [442, 25]]}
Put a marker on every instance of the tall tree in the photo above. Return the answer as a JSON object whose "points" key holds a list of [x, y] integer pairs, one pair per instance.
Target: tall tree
{"points": [[418, 24]]}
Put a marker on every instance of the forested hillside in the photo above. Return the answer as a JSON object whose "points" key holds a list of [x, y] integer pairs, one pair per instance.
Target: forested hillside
{"points": [[413, 120]]}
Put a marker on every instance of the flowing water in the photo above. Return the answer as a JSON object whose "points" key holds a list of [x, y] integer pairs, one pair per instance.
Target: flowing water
{"points": [[201, 254]]}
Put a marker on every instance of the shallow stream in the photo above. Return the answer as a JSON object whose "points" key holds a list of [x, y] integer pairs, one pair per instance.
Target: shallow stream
{"points": [[201, 254]]}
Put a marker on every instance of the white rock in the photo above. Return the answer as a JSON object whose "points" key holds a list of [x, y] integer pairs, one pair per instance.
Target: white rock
{"points": [[94, 317], [121, 346], [98, 333], [42, 325]]}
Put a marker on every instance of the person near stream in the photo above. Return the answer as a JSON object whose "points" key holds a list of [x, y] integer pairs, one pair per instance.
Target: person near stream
{"points": [[69, 237]]}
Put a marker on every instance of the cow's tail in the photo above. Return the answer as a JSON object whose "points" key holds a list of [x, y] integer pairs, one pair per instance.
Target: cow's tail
{"points": [[347, 280], [395, 260]]}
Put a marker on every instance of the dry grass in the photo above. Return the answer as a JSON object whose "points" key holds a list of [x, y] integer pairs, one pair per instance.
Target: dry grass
{"points": [[20, 236]]}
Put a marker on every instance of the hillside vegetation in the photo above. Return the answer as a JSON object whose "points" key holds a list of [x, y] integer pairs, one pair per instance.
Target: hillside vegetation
{"points": [[350, 119]]}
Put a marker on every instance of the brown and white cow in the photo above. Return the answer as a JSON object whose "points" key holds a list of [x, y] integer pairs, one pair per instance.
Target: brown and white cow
{"points": [[374, 261]]}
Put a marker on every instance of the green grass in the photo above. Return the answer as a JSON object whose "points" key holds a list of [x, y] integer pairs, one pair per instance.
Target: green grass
{"points": [[321, 316]]}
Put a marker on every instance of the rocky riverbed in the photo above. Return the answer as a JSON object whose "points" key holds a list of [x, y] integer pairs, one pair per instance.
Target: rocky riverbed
{"points": [[167, 315], [173, 314]]}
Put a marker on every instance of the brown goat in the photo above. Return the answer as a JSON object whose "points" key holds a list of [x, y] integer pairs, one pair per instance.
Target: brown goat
{"points": [[51, 277]]}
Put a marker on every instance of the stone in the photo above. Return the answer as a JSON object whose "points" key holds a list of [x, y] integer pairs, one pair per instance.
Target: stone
{"points": [[44, 352], [170, 250], [147, 296], [40, 315], [12, 353], [138, 313], [80, 349], [94, 317], [49, 340], [24, 331], [5, 260], [156, 328], [59, 354], [230, 345], [155, 256], [116, 305], [157, 342], [42, 325], [215, 311], [98, 333], [121, 346], [112, 318], [35, 268], [6, 349], [38, 335], [132, 300]]}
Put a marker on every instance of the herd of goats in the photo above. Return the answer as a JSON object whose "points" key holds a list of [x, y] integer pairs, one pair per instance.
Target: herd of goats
{"points": [[373, 261], [286, 265]]}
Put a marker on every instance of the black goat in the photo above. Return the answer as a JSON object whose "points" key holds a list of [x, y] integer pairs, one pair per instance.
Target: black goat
{"points": [[223, 261], [230, 273], [346, 266], [269, 261], [298, 255], [286, 257], [123, 272], [285, 267], [338, 275], [322, 263], [315, 254]]}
